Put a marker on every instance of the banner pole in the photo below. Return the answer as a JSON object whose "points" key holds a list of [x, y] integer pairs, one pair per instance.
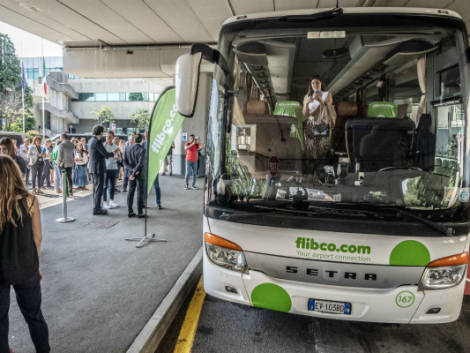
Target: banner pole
{"points": [[65, 218], [149, 237]]}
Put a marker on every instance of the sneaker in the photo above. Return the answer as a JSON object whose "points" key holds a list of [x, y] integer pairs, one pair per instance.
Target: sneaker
{"points": [[131, 214], [113, 204], [160, 207], [100, 212], [194, 188], [106, 206], [141, 215], [186, 187]]}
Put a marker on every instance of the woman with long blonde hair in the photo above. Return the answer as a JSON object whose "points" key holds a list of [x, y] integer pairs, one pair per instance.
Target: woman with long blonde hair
{"points": [[7, 147], [20, 244]]}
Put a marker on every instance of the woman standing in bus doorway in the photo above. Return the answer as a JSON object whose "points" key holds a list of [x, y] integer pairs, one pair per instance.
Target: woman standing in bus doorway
{"points": [[20, 244], [319, 118]]}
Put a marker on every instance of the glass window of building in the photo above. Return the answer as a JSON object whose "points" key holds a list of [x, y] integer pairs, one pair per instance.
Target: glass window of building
{"points": [[87, 97], [113, 96], [101, 97], [122, 96], [136, 96]]}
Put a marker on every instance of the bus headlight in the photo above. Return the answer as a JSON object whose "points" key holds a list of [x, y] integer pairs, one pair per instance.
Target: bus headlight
{"points": [[442, 277], [446, 272], [224, 253]]}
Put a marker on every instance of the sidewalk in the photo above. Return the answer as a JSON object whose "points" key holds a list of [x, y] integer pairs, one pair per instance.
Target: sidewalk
{"points": [[51, 198], [98, 289]]}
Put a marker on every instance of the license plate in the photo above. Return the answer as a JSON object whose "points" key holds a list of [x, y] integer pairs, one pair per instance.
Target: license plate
{"points": [[326, 306]]}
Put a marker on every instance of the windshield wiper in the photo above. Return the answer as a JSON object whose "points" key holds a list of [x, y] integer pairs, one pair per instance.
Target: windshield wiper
{"points": [[313, 17], [317, 211], [449, 231], [379, 207]]}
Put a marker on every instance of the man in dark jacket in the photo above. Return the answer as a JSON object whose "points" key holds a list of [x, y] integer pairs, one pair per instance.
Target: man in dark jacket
{"points": [[97, 155], [134, 162]]}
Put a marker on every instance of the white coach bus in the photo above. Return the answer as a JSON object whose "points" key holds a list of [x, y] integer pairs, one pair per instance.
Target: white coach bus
{"points": [[337, 169]]}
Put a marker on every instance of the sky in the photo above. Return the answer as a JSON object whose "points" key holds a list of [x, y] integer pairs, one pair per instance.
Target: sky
{"points": [[27, 44]]}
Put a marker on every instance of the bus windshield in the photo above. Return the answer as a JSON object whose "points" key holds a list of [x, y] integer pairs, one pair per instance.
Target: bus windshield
{"points": [[341, 116]]}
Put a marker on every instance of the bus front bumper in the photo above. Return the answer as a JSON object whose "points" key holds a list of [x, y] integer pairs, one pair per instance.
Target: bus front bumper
{"points": [[402, 305]]}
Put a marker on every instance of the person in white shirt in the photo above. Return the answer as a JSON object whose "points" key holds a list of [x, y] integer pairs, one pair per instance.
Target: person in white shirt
{"points": [[80, 176], [36, 161], [111, 172]]}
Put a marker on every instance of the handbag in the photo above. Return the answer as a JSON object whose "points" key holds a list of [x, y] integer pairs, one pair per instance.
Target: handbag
{"points": [[39, 160], [321, 129], [327, 121]]}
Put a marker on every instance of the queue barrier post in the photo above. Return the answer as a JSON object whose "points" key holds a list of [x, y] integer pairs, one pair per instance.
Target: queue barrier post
{"points": [[64, 218]]}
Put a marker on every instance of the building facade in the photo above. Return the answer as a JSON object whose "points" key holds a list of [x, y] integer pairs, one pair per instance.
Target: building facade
{"points": [[71, 102], [123, 96]]}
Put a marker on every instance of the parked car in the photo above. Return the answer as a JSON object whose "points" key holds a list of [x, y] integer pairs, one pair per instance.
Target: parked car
{"points": [[87, 136], [18, 136]]}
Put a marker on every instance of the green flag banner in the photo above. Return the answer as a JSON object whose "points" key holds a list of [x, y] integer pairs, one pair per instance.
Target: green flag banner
{"points": [[164, 124]]}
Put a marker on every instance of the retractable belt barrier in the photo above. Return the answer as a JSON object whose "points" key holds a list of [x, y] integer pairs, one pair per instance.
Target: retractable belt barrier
{"points": [[65, 191]]}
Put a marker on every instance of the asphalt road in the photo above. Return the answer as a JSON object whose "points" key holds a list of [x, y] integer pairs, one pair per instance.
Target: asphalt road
{"points": [[231, 328], [98, 290]]}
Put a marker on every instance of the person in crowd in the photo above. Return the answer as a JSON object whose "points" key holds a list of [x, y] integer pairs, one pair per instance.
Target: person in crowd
{"points": [[144, 169], [20, 246], [111, 171], [168, 161], [74, 141], [191, 148], [156, 185], [84, 144], [134, 163], [36, 161], [57, 176], [97, 167], [46, 173], [65, 161], [130, 142], [80, 176], [199, 154], [122, 150], [7, 148], [24, 153]]}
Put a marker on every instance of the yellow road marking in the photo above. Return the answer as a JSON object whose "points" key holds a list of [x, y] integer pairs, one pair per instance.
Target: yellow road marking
{"points": [[185, 341]]}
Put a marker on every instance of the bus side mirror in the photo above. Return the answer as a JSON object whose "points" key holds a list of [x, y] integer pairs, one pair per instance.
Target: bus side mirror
{"points": [[186, 83]]}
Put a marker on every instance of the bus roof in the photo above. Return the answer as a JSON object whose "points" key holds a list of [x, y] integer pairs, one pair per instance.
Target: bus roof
{"points": [[347, 10]]}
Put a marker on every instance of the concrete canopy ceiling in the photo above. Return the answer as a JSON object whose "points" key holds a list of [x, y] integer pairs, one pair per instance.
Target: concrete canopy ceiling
{"points": [[143, 38], [88, 23]]}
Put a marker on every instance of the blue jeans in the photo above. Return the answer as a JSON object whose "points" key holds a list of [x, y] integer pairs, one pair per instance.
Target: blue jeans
{"points": [[28, 296], [109, 184], [190, 166], [57, 178], [156, 185]]}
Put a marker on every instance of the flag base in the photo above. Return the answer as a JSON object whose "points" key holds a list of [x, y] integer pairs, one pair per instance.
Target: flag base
{"points": [[148, 238], [65, 220]]}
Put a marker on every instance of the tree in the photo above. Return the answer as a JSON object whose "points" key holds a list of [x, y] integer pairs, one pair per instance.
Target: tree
{"points": [[16, 121], [141, 118], [104, 115], [10, 86]]}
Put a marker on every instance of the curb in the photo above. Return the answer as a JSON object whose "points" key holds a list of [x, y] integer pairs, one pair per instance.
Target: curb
{"points": [[149, 338]]}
